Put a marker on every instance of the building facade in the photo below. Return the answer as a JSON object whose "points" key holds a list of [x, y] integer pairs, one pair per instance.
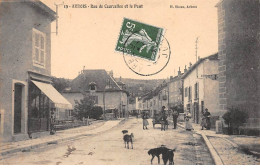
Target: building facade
{"points": [[27, 95], [201, 88], [102, 87], [175, 90], [168, 94], [238, 45]]}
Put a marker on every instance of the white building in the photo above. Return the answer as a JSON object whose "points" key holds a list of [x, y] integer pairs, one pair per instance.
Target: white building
{"points": [[201, 88]]}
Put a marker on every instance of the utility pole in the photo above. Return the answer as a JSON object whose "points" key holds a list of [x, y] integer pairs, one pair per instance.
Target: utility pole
{"points": [[57, 19], [196, 48], [196, 54]]}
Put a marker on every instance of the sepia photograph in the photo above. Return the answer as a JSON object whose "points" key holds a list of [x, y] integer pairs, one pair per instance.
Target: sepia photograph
{"points": [[129, 82]]}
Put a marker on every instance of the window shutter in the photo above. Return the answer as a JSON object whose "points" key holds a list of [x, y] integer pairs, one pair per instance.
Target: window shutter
{"points": [[191, 93], [33, 45], [198, 90], [195, 90]]}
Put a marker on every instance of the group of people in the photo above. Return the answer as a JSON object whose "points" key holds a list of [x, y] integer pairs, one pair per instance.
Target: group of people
{"points": [[205, 123], [163, 118]]}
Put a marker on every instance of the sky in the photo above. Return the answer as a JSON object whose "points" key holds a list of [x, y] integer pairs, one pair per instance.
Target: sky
{"points": [[88, 37]]}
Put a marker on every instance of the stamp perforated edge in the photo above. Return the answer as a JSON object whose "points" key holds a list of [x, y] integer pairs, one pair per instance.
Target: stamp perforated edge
{"points": [[141, 58]]}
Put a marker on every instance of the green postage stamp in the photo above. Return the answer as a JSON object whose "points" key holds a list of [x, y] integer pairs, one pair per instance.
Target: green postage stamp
{"points": [[139, 39]]}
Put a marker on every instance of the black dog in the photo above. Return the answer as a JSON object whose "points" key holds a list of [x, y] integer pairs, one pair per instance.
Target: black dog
{"points": [[167, 154], [125, 131], [128, 138]]}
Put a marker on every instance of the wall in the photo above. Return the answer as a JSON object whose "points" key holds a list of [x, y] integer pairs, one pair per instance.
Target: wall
{"points": [[112, 99], [175, 96], [71, 97], [208, 88], [16, 23], [239, 56], [211, 88]]}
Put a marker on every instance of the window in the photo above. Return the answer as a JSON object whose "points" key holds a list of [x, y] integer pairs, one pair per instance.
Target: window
{"points": [[196, 91], [186, 92], [202, 106], [190, 92], [70, 113], [38, 103], [39, 48], [92, 87]]}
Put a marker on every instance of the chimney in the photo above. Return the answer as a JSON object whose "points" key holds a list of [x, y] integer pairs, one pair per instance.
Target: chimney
{"points": [[179, 72], [185, 69], [120, 78], [171, 78], [111, 73], [83, 68], [190, 65]]}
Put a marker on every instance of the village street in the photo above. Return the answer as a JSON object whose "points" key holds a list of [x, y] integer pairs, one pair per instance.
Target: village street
{"points": [[108, 148]]}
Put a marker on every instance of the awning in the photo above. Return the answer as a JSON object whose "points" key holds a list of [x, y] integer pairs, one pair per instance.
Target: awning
{"points": [[58, 100]]}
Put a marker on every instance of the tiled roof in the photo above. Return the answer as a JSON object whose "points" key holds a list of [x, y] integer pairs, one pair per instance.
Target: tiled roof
{"points": [[99, 76]]}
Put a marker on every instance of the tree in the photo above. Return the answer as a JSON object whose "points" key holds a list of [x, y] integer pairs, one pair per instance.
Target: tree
{"points": [[60, 83], [96, 112], [85, 108]]}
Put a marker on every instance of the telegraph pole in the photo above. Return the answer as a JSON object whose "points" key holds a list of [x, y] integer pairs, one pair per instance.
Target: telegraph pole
{"points": [[57, 19], [196, 53], [196, 48]]}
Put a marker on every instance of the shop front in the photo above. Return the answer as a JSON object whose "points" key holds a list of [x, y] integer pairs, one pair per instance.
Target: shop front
{"points": [[42, 98]]}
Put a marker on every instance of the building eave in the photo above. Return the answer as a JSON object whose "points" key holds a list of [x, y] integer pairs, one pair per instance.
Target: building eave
{"points": [[37, 3], [211, 57], [220, 1]]}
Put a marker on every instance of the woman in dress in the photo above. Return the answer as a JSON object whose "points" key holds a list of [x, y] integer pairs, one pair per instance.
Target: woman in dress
{"points": [[188, 124]]}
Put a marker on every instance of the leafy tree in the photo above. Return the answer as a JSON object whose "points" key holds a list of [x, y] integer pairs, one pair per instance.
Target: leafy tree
{"points": [[96, 112], [60, 83], [85, 108], [179, 108], [234, 118]]}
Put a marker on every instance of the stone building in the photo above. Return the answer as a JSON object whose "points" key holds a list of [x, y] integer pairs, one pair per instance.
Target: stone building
{"points": [[168, 94], [175, 90], [201, 88], [27, 95], [238, 47], [102, 87]]}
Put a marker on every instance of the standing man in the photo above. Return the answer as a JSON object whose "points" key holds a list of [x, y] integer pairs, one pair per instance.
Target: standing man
{"points": [[175, 116], [145, 121], [52, 122], [164, 122], [206, 120]]}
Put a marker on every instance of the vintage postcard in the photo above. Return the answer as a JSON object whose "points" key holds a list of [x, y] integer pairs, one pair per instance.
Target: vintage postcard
{"points": [[129, 82]]}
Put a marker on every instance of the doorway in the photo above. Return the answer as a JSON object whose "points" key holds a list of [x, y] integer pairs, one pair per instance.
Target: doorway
{"points": [[196, 112], [18, 88]]}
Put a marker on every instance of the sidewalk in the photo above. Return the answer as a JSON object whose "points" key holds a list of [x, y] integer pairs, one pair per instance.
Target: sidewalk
{"points": [[229, 149], [63, 135]]}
